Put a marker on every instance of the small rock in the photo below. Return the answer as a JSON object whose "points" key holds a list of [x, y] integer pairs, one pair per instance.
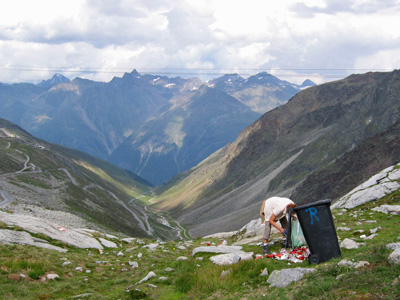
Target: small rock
{"points": [[340, 276], [79, 269], [169, 269], [264, 272], [139, 255], [66, 263], [181, 247], [343, 229], [182, 258], [370, 237], [133, 264], [163, 278], [120, 253], [150, 275], [375, 230], [346, 263], [151, 246], [225, 273], [87, 295], [52, 276], [361, 264]]}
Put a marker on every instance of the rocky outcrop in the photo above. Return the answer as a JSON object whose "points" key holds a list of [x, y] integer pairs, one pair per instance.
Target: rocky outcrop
{"points": [[375, 188], [54, 231], [24, 238]]}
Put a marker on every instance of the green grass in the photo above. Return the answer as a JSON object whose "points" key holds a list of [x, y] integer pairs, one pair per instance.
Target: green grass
{"points": [[108, 276]]}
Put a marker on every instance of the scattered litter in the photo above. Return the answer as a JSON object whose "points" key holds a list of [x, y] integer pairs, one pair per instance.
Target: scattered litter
{"points": [[61, 229], [296, 255]]}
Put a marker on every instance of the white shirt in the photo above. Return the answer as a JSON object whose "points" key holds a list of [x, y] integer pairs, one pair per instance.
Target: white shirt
{"points": [[276, 206]]}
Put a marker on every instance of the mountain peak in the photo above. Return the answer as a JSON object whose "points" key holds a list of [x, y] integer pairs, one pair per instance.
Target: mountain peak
{"points": [[307, 83], [56, 79]]}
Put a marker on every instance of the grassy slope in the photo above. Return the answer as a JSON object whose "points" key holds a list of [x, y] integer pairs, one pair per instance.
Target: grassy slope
{"points": [[195, 279], [98, 183]]}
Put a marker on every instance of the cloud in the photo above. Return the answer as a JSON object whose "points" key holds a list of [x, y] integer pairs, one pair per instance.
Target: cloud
{"points": [[99, 39]]}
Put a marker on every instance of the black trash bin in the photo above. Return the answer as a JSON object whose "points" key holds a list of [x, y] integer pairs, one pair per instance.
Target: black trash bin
{"points": [[319, 231]]}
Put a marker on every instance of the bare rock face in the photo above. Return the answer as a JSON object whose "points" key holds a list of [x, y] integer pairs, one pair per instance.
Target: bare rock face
{"points": [[374, 188], [54, 231], [24, 238]]}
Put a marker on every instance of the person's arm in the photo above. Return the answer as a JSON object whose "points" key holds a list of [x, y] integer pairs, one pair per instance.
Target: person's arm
{"points": [[273, 223]]}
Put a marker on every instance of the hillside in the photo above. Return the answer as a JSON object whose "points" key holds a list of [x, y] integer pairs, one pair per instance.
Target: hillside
{"points": [[131, 268], [195, 126], [275, 154], [72, 188]]}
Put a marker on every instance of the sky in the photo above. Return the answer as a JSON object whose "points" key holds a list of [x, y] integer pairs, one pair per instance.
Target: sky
{"points": [[322, 40]]}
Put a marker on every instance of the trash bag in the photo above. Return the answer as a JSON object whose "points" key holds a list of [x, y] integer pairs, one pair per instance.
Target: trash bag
{"points": [[297, 235]]}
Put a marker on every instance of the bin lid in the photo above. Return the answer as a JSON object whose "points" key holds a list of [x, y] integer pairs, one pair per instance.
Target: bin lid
{"points": [[321, 202]]}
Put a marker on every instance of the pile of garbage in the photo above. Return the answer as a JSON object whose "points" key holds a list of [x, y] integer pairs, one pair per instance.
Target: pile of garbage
{"points": [[296, 255]]}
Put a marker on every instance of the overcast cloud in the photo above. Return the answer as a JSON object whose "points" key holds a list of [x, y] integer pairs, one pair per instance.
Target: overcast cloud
{"points": [[294, 40]]}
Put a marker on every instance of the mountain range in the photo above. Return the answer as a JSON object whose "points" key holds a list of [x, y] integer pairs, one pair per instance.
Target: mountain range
{"points": [[305, 149], [323, 142], [150, 125]]}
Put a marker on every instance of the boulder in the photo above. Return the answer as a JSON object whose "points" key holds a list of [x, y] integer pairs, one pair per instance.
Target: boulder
{"points": [[107, 243], [225, 259], [221, 235], [394, 257], [393, 246], [282, 278], [350, 244], [388, 209], [237, 250]]}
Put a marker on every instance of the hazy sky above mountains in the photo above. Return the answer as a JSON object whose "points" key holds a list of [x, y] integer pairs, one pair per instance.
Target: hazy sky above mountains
{"points": [[97, 39]]}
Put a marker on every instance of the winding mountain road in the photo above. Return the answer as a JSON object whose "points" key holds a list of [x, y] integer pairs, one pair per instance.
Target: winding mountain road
{"points": [[7, 198]]}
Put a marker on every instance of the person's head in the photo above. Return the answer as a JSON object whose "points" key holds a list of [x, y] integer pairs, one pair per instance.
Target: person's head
{"points": [[291, 206]]}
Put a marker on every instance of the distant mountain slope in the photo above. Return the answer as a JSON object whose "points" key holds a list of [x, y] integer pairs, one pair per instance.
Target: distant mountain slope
{"points": [[357, 165], [278, 152], [261, 92], [68, 186], [198, 124]]}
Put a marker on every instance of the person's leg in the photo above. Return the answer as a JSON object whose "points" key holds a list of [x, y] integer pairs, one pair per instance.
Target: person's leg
{"points": [[266, 236]]}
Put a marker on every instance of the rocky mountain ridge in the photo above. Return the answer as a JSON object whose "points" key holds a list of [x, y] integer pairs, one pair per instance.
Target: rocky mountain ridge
{"points": [[276, 154], [144, 112]]}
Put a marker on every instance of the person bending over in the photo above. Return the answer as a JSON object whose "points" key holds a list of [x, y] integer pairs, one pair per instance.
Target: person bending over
{"points": [[274, 209]]}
